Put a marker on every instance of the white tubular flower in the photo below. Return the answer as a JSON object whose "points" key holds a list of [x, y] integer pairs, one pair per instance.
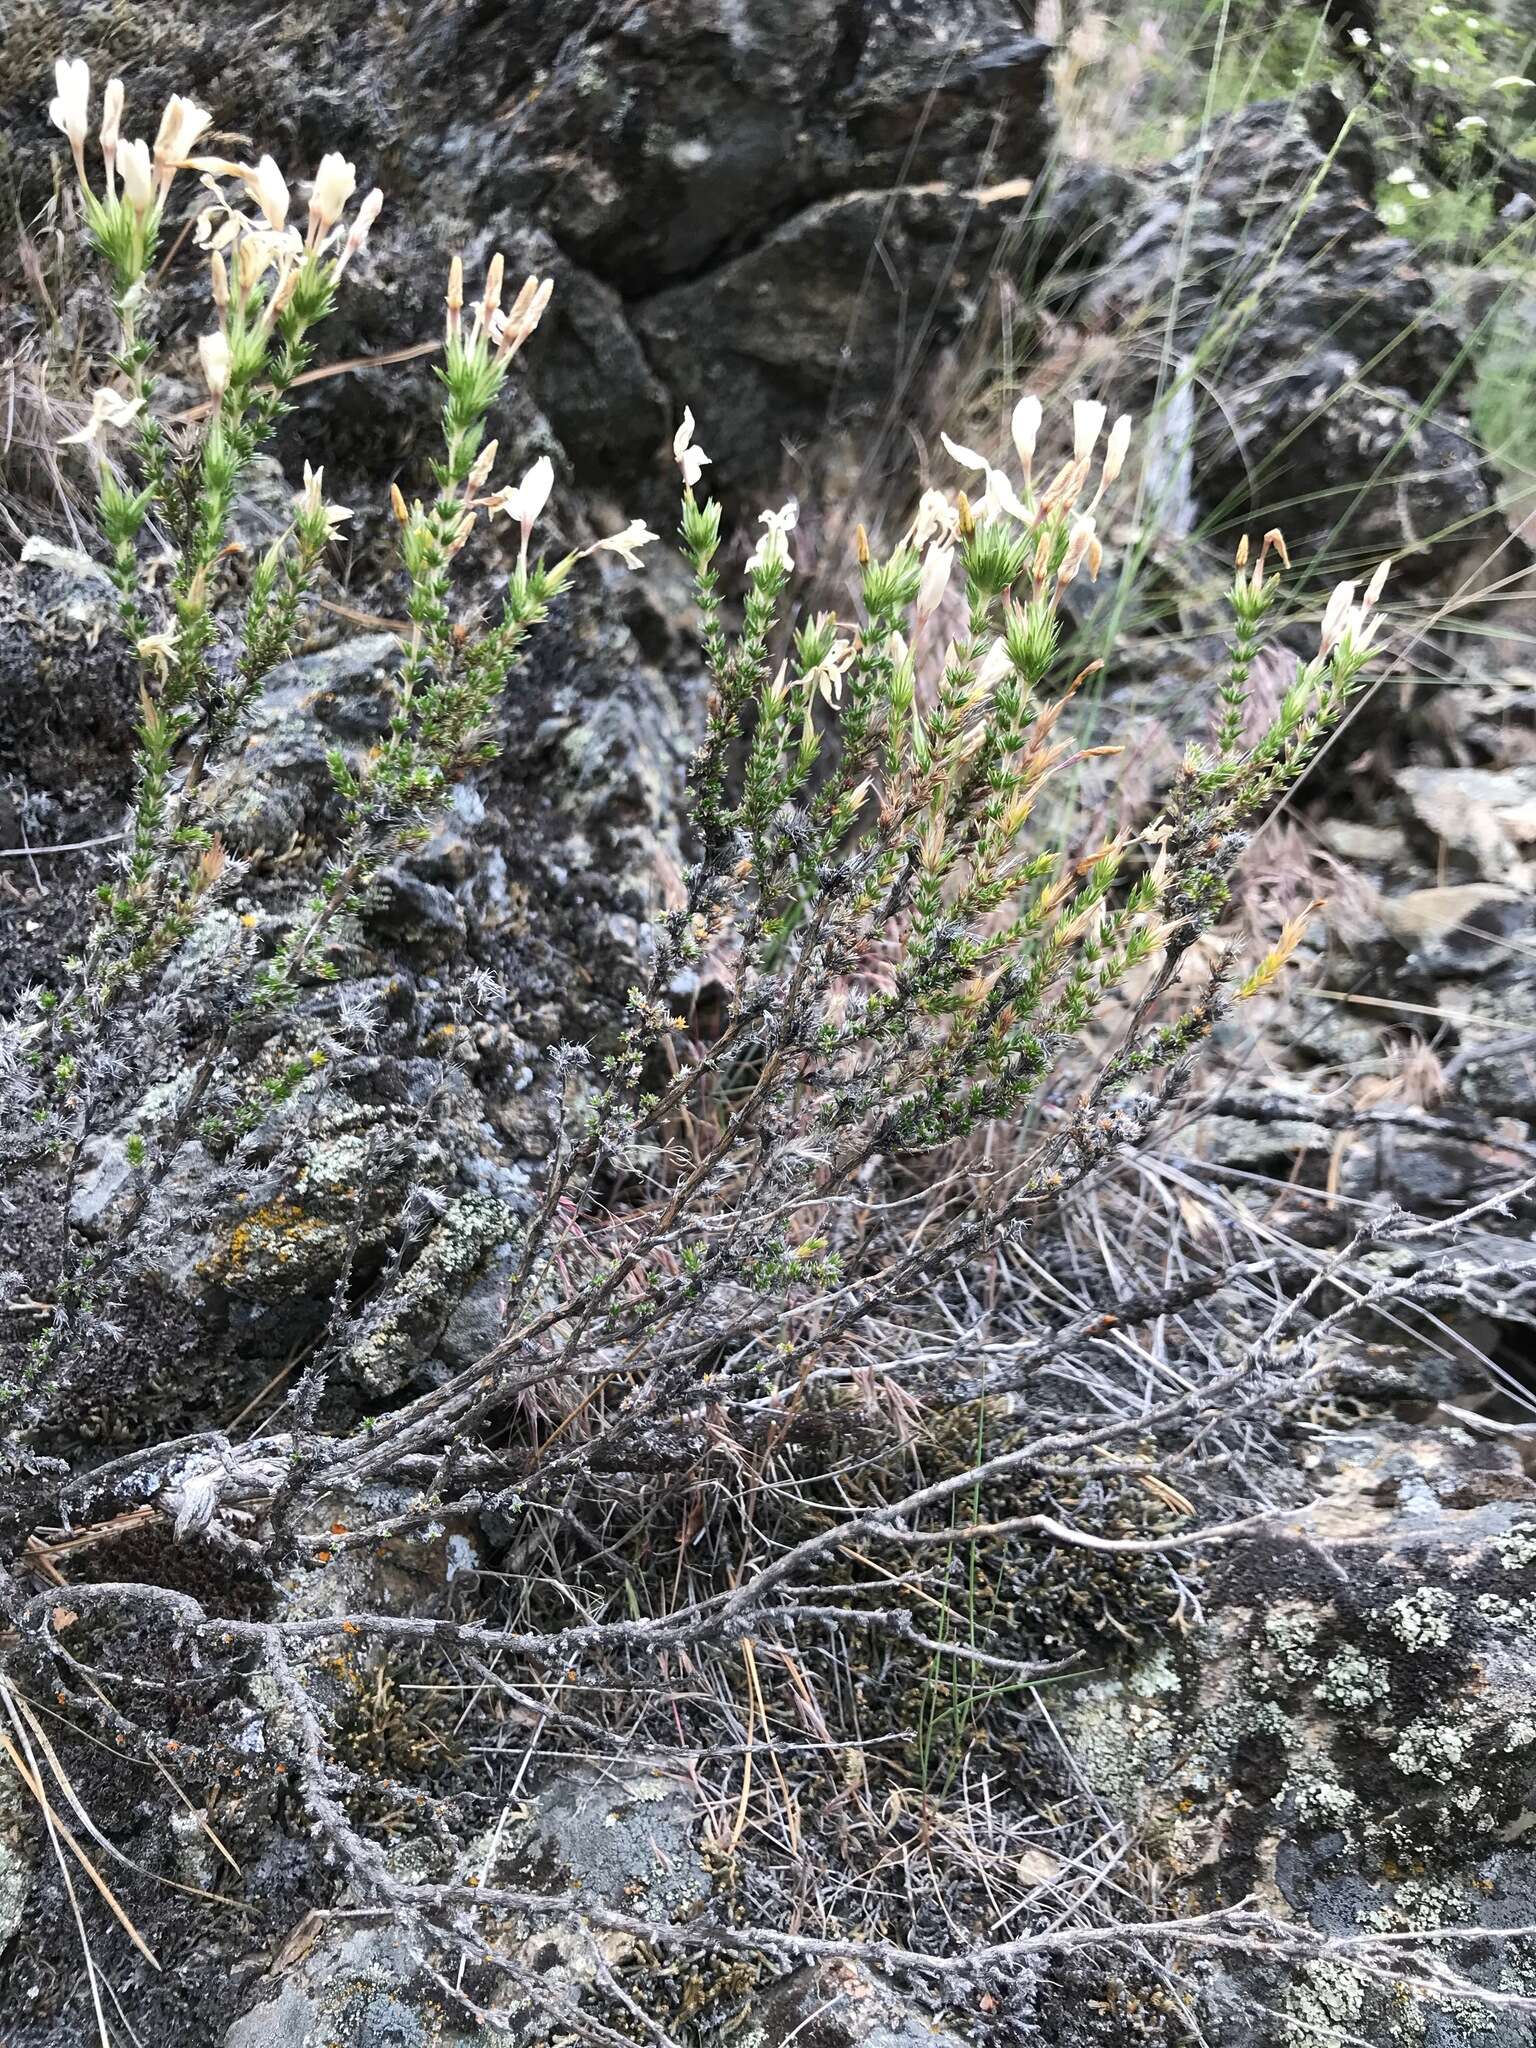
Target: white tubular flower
{"points": [[690, 460], [1115, 448], [1377, 584], [772, 550], [69, 111], [627, 541], [134, 169], [1505, 84], [525, 501], [1337, 611], [108, 409], [1470, 123], [111, 123], [937, 564], [335, 182], [1087, 425], [213, 354], [1027, 415]]}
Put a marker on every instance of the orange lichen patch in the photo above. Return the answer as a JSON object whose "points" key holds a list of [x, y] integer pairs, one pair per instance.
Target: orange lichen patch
{"points": [[270, 1234]]}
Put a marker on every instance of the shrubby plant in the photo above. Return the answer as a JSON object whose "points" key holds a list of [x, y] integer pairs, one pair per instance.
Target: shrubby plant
{"points": [[908, 961]]}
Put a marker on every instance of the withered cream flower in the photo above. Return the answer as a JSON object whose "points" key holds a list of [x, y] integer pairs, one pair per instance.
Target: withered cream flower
{"points": [[1000, 495], [511, 329], [108, 409], [159, 648], [213, 354], [263, 181], [690, 460], [826, 678]]}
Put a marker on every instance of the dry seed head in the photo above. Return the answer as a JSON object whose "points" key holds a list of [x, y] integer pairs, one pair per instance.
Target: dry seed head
{"points": [[967, 518], [861, 546], [219, 280], [1289, 939], [1240, 559]]}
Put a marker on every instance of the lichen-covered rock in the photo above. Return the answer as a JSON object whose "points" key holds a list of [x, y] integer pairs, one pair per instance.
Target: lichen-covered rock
{"points": [[623, 1842], [1350, 1737]]}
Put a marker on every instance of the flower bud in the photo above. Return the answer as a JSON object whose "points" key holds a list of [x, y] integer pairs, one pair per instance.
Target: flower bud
{"points": [[134, 168], [213, 353]]}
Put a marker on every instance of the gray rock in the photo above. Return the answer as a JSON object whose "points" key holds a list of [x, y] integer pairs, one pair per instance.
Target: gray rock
{"points": [[361, 1990], [67, 676], [1322, 351], [1487, 816]]}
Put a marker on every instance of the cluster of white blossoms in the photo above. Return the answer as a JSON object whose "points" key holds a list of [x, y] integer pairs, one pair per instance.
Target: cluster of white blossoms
{"points": [[941, 521], [145, 172]]}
